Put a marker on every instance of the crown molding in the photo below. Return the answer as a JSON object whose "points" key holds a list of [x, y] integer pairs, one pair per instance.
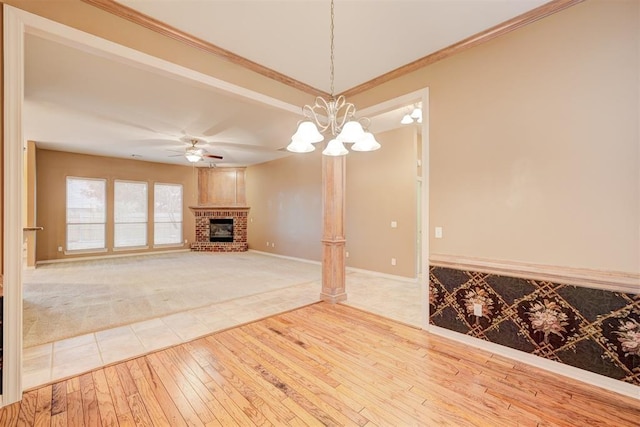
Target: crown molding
{"points": [[134, 16], [160, 27], [472, 41]]}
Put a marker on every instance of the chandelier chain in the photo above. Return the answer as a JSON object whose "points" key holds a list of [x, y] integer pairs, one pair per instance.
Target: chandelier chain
{"points": [[332, 67]]}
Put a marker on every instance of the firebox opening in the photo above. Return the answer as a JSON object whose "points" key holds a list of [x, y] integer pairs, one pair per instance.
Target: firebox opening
{"points": [[221, 230]]}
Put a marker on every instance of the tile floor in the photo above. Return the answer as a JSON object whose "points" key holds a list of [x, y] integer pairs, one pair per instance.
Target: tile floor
{"points": [[395, 299]]}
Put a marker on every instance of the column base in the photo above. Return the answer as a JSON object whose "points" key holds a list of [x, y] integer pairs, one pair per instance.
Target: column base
{"points": [[332, 299]]}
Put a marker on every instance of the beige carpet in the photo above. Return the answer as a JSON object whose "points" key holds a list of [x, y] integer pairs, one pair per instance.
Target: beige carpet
{"points": [[73, 298]]}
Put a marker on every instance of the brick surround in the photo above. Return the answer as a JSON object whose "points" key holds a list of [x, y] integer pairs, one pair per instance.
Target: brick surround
{"points": [[204, 213]]}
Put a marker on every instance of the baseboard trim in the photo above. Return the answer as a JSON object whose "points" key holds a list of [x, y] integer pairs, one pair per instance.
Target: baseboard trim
{"points": [[384, 275], [98, 257], [599, 279], [568, 371], [309, 261], [349, 269]]}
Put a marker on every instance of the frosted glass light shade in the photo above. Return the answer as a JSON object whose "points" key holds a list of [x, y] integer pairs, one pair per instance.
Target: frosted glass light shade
{"points": [[416, 113], [406, 120], [300, 146], [335, 148], [351, 132], [193, 155], [307, 132], [367, 143]]}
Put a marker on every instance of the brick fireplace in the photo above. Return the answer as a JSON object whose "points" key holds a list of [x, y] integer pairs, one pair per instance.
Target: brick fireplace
{"points": [[208, 215]]}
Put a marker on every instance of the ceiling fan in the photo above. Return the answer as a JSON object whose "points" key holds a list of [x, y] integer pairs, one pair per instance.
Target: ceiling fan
{"points": [[195, 154]]}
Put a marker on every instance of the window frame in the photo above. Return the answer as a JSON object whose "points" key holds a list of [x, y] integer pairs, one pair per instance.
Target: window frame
{"points": [[144, 245], [68, 249], [180, 241]]}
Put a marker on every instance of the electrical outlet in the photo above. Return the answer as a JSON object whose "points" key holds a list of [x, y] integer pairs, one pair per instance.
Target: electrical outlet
{"points": [[477, 309], [59, 248], [346, 254], [273, 245], [394, 224], [438, 232], [393, 261], [267, 244]]}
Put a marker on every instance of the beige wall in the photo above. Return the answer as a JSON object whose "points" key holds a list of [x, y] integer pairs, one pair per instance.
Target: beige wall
{"points": [[54, 166], [381, 188], [534, 141], [286, 205], [533, 136]]}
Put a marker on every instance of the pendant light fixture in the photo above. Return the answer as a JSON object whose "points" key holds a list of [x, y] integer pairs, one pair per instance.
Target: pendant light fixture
{"points": [[335, 116]]}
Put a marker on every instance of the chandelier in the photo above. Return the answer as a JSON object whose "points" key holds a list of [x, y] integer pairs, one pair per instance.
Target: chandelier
{"points": [[414, 117], [335, 116]]}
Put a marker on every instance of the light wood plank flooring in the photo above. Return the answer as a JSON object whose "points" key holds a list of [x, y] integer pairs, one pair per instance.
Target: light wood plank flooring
{"points": [[320, 365]]}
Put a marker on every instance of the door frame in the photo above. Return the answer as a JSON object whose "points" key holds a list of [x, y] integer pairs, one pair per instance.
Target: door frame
{"points": [[17, 23]]}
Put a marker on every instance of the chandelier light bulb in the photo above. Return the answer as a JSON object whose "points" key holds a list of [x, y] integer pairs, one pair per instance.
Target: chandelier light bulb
{"points": [[308, 132], [335, 148], [351, 132], [300, 146], [406, 120], [367, 143]]}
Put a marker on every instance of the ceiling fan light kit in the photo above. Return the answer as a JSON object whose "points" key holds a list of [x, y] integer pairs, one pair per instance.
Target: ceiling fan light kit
{"points": [[336, 116], [194, 154]]}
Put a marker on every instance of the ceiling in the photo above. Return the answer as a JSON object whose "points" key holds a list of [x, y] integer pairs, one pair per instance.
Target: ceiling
{"points": [[80, 101]]}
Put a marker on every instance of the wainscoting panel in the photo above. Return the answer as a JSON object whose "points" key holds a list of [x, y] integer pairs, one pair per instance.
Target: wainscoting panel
{"points": [[592, 329]]}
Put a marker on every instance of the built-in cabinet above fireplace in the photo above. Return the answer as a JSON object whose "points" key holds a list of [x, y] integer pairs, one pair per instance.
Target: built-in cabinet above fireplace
{"points": [[222, 214]]}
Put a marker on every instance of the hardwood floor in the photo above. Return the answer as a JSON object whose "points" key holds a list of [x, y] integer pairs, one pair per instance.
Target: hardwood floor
{"points": [[320, 365]]}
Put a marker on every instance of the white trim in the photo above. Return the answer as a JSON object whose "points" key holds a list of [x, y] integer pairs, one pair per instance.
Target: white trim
{"points": [[426, 123], [86, 251], [12, 226], [131, 248], [310, 261], [352, 269], [98, 257], [597, 279], [591, 378], [384, 275]]}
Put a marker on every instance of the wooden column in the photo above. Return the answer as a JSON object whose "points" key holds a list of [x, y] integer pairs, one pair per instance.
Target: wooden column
{"points": [[333, 240]]}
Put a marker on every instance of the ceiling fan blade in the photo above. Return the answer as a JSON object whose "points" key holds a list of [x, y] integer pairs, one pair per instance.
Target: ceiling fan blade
{"points": [[212, 156]]}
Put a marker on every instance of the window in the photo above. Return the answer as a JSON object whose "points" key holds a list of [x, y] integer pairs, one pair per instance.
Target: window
{"points": [[86, 213], [130, 214], [167, 214]]}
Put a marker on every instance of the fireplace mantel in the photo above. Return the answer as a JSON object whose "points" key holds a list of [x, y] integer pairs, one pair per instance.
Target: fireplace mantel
{"points": [[205, 213]]}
